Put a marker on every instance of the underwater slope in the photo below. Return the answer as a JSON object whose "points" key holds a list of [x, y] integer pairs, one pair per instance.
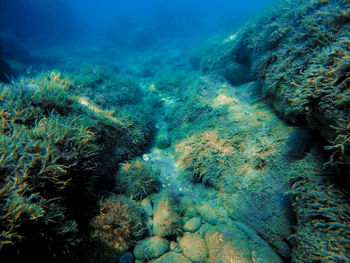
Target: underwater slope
{"points": [[299, 52], [58, 151], [223, 179]]}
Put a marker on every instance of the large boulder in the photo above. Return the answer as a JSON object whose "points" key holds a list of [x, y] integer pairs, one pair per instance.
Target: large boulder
{"points": [[194, 247], [150, 248], [166, 221], [238, 243]]}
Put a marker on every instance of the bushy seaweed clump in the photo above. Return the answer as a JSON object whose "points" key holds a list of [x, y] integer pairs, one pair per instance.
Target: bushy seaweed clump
{"points": [[55, 148], [203, 157], [109, 89], [119, 223], [323, 214], [137, 179]]}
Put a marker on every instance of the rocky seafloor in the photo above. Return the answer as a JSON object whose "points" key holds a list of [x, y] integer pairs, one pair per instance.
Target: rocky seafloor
{"points": [[232, 149]]}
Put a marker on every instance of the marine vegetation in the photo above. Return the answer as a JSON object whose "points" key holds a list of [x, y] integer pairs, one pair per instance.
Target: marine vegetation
{"points": [[305, 74], [137, 179], [323, 214], [299, 52], [119, 223], [239, 152], [56, 149]]}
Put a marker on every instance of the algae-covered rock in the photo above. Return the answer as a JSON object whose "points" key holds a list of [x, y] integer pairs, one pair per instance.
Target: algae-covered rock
{"points": [[147, 206], [194, 247], [150, 248], [222, 250], [237, 243], [166, 221], [319, 220], [203, 229], [192, 225], [58, 151], [175, 247], [208, 213], [304, 74], [172, 257], [163, 141], [127, 258]]}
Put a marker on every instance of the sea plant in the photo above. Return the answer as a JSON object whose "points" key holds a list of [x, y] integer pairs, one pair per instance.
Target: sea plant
{"points": [[138, 179], [119, 223], [57, 149]]}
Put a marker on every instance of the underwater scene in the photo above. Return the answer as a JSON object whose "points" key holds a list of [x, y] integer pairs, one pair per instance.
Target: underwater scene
{"points": [[175, 131]]}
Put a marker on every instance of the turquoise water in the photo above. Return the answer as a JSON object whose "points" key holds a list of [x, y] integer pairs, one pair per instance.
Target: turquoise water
{"points": [[187, 131]]}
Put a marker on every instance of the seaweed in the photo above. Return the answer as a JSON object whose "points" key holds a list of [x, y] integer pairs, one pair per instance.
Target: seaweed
{"points": [[58, 152], [323, 214], [137, 179], [119, 223]]}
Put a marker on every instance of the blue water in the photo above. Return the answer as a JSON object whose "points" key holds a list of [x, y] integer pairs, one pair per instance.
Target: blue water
{"points": [[37, 23]]}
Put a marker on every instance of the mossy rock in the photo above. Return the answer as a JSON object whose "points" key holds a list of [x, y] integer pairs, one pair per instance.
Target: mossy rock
{"points": [[163, 141], [192, 225], [166, 221], [150, 248], [172, 257], [194, 247]]}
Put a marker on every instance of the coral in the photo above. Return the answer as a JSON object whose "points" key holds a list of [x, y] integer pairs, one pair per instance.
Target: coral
{"points": [[119, 223], [137, 179]]}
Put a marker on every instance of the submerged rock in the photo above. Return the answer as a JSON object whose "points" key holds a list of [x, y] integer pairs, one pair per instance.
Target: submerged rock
{"points": [[127, 258], [147, 206], [208, 213], [163, 141], [237, 243], [175, 247], [192, 225], [165, 220], [171, 257], [151, 248], [194, 247]]}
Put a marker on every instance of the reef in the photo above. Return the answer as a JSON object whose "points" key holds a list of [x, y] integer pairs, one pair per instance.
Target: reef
{"points": [[298, 51], [58, 149], [303, 65], [233, 151]]}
